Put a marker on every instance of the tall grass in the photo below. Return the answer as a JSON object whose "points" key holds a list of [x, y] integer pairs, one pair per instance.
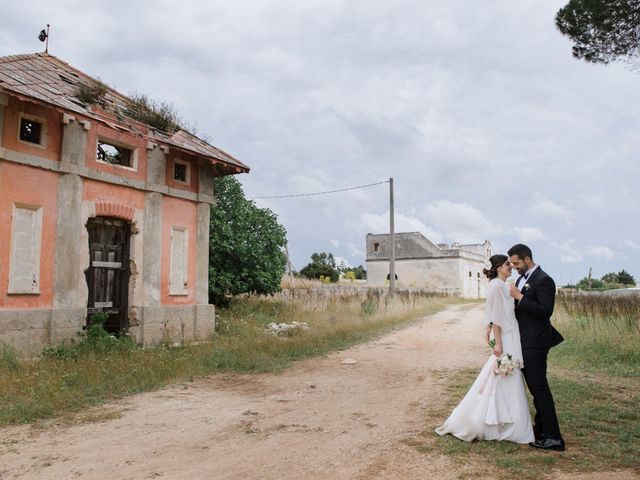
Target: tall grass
{"points": [[68, 379], [597, 406], [602, 332]]}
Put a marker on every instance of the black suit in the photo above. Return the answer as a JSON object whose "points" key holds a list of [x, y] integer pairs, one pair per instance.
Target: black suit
{"points": [[537, 336]]}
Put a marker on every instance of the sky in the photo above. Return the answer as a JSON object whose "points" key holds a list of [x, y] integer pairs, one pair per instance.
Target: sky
{"points": [[489, 127]]}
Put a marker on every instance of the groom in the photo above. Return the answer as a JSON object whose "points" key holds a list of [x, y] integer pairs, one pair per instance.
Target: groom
{"points": [[534, 294]]}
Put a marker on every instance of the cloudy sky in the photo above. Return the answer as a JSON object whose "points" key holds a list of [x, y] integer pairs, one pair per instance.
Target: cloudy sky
{"points": [[490, 129]]}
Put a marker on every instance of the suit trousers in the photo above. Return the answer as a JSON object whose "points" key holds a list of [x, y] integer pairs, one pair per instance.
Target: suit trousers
{"points": [[535, 374]]}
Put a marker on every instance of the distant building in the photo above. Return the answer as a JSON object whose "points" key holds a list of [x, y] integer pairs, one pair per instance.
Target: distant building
{"points": [[420, 263], [99, 212]]}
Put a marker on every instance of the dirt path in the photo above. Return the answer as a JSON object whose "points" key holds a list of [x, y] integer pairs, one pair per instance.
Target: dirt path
{"points": [[319, 419]]}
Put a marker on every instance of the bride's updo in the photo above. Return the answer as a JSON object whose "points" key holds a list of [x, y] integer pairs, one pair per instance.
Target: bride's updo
{"points": [[496, 262]]}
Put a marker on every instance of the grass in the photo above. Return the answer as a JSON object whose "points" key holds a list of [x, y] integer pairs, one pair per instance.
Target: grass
{"points": [[602, 334], [69, 378], [594, 380]]}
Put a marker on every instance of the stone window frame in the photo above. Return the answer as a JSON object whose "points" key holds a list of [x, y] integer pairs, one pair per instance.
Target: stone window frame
{"points": [[43, 130], [183, 287], [134, 153], [179, 161], [37, 247]]}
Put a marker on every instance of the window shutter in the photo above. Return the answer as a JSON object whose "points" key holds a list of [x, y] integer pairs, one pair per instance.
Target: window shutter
{"points": [[24, 270], [179, 254]]}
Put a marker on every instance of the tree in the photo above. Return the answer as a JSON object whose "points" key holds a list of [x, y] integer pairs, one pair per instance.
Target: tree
{"points": [[361, 273], [322, 264], [246, 245], [602, 30], [595, 284], [626, 279], [610, 278]]}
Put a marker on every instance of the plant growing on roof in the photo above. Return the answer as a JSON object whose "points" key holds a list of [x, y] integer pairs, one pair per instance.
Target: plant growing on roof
{"points": [[160, 115], [92, 93]]}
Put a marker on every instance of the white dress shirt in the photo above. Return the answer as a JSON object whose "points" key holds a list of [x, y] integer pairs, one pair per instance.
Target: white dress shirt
{"points": [[523, 279]]}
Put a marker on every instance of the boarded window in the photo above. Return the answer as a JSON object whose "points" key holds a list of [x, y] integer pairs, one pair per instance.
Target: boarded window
{"points": [[179, 254], [114, 154], [30, 131], [26, 237]]}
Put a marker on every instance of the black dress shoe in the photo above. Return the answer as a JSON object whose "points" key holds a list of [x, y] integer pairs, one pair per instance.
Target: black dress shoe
{"points": [[549, 444]]}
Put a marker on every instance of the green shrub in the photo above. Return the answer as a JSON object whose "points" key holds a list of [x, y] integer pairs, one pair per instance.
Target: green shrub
{"points": [[95, 339]]}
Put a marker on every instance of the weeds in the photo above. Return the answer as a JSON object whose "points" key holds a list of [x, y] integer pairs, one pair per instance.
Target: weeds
{"points": [[159, 115], [98, 367], [93, 93], [95, 339], [8, 358]]}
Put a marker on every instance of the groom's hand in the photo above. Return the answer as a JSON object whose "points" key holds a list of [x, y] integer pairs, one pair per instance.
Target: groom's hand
{"points": [[515, 293]]}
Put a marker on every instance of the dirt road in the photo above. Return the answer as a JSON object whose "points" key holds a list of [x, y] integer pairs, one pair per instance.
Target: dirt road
{"points": [[319, 419]]}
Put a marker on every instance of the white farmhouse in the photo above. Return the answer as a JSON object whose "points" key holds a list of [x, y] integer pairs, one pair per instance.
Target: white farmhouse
{"points": [[420, 263]]}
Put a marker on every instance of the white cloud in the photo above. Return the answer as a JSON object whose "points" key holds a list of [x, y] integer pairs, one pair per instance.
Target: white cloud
{"points": [[335, 243], [460, 222], [544, 207], [528, 234], [379, 223], [599, 251], [572, 253]]}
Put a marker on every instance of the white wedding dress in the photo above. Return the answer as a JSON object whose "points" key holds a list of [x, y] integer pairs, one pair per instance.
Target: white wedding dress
{"points": [[495, 407]]}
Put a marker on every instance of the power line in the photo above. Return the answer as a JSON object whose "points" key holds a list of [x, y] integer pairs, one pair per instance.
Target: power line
{"points": [[322, 193]]}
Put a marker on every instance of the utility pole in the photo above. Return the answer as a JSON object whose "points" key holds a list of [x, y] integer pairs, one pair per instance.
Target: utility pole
{"points": [[392, 237]]}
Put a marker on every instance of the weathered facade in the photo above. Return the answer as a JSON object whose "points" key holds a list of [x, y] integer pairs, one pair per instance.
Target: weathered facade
{"points": [[420, 263], [99, 213]]}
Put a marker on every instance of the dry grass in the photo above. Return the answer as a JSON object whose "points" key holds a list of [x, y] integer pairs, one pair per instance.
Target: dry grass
{"points": [[63, 384], [594, 379]]}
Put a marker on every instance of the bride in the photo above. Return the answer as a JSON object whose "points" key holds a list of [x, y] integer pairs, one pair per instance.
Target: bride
{"points": [[495, 407]]}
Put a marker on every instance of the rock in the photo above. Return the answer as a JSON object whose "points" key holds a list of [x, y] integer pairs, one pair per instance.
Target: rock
{"points": [[349, 361]]}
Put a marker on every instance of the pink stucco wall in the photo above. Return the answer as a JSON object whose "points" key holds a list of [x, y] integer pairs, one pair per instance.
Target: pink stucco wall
{"points": [[178, 213], [34, 187]]}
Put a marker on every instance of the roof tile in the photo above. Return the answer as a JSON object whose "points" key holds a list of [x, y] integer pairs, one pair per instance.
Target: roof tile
{"points": [[46, 78]]}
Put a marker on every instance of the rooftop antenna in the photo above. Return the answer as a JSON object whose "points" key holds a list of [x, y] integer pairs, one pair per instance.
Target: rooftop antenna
{"points": [[44, 37]]}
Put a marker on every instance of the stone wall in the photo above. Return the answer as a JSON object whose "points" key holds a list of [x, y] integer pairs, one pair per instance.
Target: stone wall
{"points": [[440, 274]]}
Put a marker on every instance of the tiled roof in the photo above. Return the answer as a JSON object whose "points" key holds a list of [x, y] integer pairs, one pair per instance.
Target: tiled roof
{"points": [[43, 77]]}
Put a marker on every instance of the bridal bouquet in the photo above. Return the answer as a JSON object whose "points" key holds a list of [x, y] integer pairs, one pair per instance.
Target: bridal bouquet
{"points": [[506, 365]]}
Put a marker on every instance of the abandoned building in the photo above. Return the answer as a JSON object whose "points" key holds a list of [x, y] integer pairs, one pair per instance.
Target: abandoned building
{"points": [[99, 212], [455, 269]]}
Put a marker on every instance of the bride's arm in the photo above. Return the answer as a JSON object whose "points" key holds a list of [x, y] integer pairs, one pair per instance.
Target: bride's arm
{"points": [[497, 334]]}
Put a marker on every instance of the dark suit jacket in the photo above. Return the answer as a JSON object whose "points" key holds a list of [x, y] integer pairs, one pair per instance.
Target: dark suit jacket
{"points": [[534, 312]]}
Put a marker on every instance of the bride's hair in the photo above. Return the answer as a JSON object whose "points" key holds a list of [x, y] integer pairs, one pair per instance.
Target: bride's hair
{"points": [[496, 262]]}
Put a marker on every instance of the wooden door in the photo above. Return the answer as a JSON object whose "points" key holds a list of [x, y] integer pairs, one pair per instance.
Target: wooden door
{"points": [[108, 273]]}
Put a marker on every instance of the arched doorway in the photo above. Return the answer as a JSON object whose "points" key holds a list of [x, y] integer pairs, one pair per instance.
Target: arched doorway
{"points": [[108, 272]]}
